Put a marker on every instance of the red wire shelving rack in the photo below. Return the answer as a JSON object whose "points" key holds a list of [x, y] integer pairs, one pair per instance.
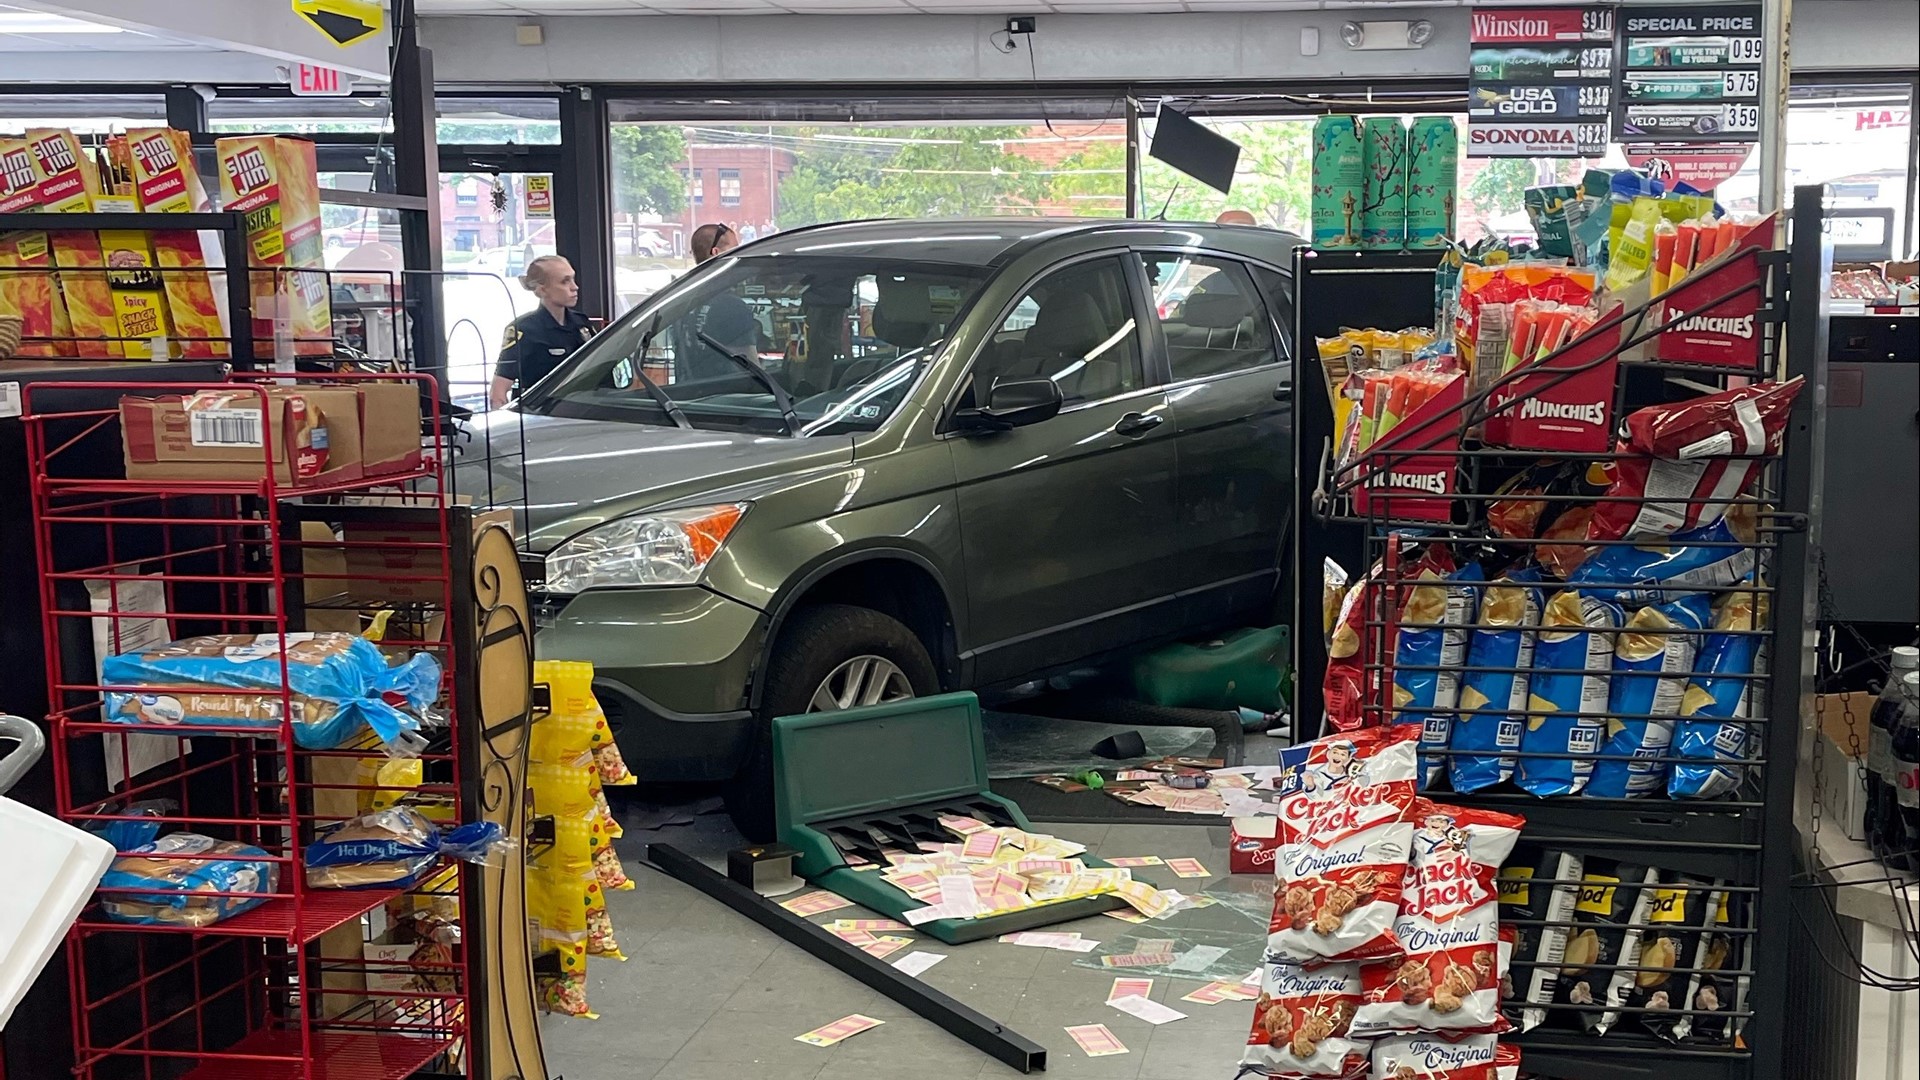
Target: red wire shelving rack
{"points": [[284, 990]]}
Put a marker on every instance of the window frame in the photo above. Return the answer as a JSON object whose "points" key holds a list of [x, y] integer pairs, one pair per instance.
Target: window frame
{"points": [[1152, 371], [1281, 357]]}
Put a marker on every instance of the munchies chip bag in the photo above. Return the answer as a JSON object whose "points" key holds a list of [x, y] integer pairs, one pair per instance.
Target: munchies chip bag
{"points": [[1344, 830]]}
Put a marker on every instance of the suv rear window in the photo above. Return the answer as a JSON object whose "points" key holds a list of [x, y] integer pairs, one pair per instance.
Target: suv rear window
{"points": [[1210, 313]]}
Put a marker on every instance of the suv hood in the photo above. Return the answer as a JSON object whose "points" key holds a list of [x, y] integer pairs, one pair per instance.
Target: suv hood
{"points": [[561, 476]]}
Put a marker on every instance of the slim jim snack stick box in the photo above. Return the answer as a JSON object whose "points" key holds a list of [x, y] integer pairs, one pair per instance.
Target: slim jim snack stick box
{"points": [[27, 287], [160, 161], [273, 180], [68, 185]]}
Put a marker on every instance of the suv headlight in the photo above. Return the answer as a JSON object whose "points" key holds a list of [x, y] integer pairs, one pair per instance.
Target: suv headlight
{"points": [[668, 548]]}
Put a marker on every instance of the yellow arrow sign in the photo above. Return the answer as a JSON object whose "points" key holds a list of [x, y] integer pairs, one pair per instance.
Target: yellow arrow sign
{"points": [[344, 22]]}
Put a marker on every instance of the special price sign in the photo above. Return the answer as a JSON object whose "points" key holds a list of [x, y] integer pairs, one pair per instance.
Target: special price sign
{"points": [[1541, 82], [1689, 74]]}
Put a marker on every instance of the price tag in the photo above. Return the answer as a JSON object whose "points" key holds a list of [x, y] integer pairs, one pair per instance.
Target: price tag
{"points": [[1738, 84], [1741, 119], [9, 399]]}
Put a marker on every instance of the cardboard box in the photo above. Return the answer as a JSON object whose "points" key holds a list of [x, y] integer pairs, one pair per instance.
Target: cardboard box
{"points": [[69, 185], [1252, 845], [389, 427], [273, 180], [160, 162], [221, 435], [376, 568], [1841, 787], [26, 261]]}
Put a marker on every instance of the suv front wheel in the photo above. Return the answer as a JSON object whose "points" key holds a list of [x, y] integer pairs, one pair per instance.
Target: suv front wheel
{"points": [[828, 657]]}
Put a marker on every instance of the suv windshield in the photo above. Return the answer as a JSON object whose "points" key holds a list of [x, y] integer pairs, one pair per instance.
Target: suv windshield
{"points": [[844, 340]]}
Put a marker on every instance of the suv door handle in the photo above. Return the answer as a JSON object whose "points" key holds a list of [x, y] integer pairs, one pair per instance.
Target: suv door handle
{"points": [[1283, 392], [1134, 423]]}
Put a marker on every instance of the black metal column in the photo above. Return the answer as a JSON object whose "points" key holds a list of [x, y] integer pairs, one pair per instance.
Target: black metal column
{"points": [[186, 110], [1133, 157], [582, 206], [416, 160]]}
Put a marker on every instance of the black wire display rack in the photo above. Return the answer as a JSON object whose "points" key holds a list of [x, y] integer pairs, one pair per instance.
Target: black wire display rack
{"points": [[1419, 499]]}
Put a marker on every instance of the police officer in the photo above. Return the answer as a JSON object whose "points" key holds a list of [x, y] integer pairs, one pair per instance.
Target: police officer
{"points": [[536, 342]]}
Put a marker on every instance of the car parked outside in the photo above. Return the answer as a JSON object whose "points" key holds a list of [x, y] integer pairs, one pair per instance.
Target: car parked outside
{"points": [[861, 462]]}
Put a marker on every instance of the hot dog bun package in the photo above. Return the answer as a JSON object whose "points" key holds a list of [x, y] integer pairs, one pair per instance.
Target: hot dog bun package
{"points": [[187, 880]]}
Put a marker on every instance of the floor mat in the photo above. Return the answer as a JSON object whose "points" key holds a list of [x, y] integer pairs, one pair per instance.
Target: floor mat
{"points": [[1089, 807]]}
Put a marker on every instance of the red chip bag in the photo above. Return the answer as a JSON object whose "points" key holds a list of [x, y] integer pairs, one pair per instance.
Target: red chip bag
{"points": [[1345, 830], [1742, 422], [1449, 929], [1437, 1057], [1506, 1062], [1348, 653], [1300, 1023]]}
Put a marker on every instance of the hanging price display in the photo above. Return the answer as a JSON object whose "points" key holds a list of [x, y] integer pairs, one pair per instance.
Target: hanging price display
{"points": [[1689, 74], [1541, 82]]}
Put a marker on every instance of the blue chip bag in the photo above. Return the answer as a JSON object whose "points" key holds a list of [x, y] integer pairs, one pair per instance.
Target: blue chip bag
{"points": [[1428, 697], [340, 683], [1650, 649], [1658, 573], [1572, 668], [181, 876], [1484, 737], [1710, 735]]}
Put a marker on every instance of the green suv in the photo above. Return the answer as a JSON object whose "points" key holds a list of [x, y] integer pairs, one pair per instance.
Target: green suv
{"points": [[861, 462]]}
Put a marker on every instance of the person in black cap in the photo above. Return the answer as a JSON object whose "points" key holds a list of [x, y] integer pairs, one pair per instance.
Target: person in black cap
{"points": [[536, 342]]}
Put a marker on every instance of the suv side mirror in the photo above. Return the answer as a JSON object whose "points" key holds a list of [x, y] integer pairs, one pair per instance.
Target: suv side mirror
{"points": [[1013, 403]]}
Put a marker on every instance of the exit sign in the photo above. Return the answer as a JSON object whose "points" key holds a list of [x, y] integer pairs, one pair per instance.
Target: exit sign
{"points": [[312, 80]]}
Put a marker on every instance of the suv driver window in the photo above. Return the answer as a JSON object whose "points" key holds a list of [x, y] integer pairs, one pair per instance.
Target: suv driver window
{"points": [[1210, 313], [1075, 327]]}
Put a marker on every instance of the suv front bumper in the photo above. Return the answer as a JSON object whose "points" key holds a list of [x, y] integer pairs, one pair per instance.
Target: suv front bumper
{"points": [[672, 668]]}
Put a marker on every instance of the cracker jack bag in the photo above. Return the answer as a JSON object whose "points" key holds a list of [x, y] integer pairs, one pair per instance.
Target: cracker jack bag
{"points": [[1493, 692], [1710, 557], [1676, 936], [1437, 1057], [1710, 733], [1719, 992], [1647, 654], [1345, 830], [1349, 651], [1572, 663], [1428, 656], [1448, 978], [1506, 1062], [1300, 1022], [1609, 902], [1540, 887]]}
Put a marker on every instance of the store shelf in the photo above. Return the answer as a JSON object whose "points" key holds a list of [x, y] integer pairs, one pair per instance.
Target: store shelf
{"points": [[336, 1056], [1624, 1056], [323, 910], [180, 488]]}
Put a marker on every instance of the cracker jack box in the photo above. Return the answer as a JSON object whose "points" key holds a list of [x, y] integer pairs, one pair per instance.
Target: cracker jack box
{"points": [[68, 185], [273, 180], [220, 435], [27, 287], [1730, 333], [160, 161], [1253, 844]]}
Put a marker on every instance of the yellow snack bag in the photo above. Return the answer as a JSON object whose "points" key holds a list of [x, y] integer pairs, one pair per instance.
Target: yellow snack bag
{"points": [[1632, 257], [566, 993]]}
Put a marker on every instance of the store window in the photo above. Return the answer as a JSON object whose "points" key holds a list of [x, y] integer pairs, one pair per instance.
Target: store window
{"points": [[1075, 327], [84, 114], [1210, 315], [729, 187], [699, 187], [361, 114], [523, 121]]}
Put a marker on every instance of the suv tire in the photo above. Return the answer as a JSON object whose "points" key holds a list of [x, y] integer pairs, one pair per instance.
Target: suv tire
{"points": [[815, 644]]}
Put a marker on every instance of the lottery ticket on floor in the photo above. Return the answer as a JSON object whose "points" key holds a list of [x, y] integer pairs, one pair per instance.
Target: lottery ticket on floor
{"points": [[1095, 1040], [1125, 987], [843, 1028], [816, 903], [1188, 868]]}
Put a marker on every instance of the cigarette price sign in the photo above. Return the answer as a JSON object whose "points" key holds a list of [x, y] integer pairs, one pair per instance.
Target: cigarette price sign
{"points": [[1689, 74], [1541, 83]]}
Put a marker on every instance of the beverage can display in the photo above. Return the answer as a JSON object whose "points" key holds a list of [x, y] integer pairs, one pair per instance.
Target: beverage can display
{"points": [[1339, 183]]}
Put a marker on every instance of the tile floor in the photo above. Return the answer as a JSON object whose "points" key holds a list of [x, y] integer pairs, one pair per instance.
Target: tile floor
{"points": [[708, 995]]}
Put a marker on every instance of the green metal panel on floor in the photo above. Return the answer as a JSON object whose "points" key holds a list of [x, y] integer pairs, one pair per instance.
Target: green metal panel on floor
{"points": [[847, 784]]}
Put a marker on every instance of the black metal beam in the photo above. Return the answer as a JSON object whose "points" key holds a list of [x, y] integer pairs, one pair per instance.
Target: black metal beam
{"points": [[416, 160], [186, 110], [582, 207], [377, 200], [977, 1029]]}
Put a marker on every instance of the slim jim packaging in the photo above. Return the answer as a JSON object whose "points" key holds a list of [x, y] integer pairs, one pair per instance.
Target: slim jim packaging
{"points": [[1383, 222], [273, 181], [160, 162], [1339, 183], [27, 287], [1433, 175], [68, 185]]}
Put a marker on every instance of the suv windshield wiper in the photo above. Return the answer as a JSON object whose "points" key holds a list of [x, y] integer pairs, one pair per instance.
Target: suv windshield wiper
{"points": [[780, 398], [659, 396]]}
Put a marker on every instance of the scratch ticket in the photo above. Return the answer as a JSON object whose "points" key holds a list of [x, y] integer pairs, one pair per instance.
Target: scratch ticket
{"points": [[842, 1028], [1136, 860], [1188, 868], [1096, 1041], [1125, 987], [816, 903]]}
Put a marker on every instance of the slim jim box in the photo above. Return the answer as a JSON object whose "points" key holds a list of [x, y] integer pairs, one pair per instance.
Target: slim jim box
{"points": [[160, 161], [273, 181], [68, 185], [27, 287]]}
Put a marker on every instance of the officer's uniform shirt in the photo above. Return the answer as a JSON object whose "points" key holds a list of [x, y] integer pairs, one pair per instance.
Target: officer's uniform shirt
{"points": [[534, 345]]}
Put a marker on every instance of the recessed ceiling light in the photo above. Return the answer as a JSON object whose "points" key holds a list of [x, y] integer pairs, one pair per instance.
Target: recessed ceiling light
{"points": [[30, 22]]}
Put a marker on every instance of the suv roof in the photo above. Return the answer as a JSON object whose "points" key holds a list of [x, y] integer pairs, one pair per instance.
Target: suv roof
{"points": [[987, 241]]}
